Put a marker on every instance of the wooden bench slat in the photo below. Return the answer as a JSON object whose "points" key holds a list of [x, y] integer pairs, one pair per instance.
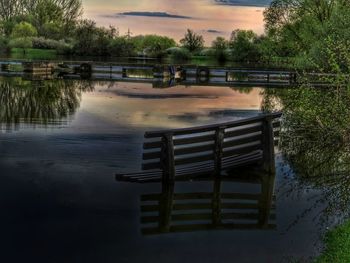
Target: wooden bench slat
{"points": [[236, 142], [194, 139], [242, 150], [196, 159], [155, 134], [243, 131], [194, 149]]}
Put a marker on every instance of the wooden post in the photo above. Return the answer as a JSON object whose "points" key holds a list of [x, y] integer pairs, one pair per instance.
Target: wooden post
{"points": [[216, 203], [166, 207], [218, 150], [268, 146], [168, 159], [124, 74], [265, 200]]}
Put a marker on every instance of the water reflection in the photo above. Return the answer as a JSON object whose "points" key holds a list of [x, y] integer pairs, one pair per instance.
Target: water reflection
{"points": [[38, 102], [245, 202], [315, 141]]}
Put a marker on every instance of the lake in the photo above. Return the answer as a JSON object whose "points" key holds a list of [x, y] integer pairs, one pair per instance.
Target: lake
{"points": [[63, 141]]}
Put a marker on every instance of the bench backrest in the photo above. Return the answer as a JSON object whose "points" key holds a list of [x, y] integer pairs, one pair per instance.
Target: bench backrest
{"points": [[210, 145]]}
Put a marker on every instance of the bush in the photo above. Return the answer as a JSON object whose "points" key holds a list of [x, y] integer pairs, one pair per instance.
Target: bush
{"points": [[24, 30], [22, 42], [153, 45], [44, 43], [3, 45], [121, 47], [179, 53]]}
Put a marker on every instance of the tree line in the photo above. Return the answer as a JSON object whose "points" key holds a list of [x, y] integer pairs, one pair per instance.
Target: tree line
{"points": [[305, 30]]}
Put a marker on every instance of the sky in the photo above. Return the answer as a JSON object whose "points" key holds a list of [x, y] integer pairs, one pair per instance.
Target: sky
{"points": [[211, 18]]}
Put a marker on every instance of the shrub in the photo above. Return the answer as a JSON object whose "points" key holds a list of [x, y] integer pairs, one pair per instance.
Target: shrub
{"points": [[24, 30], [179, 53], [3, 45], [23, 42], [121, 47]]}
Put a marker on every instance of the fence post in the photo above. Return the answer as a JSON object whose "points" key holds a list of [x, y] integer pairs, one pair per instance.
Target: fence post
{"points": [[268, 146], [168, 159], [218, 150]]}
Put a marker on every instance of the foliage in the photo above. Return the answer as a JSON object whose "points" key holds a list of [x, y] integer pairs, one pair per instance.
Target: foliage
{"points": [[122, 47], [220, 46], [153, 45], [31, 53], [244, 46], [3, 45], [92, 40], [22, 42], [337, 245], [300, 27], [179, 54], [44, 43], [192, 41], [24, 30]]}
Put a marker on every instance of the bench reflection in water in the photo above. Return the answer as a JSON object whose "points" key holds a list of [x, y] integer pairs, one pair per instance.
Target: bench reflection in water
{"points": [[211, 153], [252, 206]]}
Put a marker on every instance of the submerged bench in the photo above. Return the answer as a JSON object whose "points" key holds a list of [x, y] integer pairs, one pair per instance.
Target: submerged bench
{"points": [[211, 149]]}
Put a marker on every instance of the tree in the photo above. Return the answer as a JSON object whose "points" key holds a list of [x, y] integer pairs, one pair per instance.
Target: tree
{"points": [[24, 30], [39, 12], [153, 45], [192, 41], [220, 46], [243, 44]]}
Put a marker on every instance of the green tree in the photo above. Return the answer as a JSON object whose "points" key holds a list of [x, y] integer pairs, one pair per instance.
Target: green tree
{"points": [[243, 44], [24, 30], [220, 46], [153, 45], [192, 41]]}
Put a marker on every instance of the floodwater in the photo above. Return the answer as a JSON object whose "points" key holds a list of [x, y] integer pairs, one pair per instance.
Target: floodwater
{"points": [[63, 141]]}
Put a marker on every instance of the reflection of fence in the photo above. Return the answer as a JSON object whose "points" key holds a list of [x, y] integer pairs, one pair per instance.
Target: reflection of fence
{"points": [[208, 149], [183, 74], [171, 211]]}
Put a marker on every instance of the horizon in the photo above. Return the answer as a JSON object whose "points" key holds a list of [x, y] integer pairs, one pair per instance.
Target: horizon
{"points": [[211, 18]]}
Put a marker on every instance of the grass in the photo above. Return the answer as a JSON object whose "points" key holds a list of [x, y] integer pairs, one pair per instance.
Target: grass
{"points": [[337, 243], [32, 53]]}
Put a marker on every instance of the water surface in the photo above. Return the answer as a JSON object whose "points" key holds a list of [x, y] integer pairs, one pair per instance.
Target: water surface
{"points": [[62, 141]]}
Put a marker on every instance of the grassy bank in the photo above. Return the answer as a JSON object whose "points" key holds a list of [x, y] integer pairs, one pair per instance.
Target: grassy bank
{"points": [[337, 243], [33, 53]]}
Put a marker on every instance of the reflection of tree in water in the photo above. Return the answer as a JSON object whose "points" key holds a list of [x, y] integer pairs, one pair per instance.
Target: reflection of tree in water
{"points": [[43, 102], [315, 139], [243, 90]]}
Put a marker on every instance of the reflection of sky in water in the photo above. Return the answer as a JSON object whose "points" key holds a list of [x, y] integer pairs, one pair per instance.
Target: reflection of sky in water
{"points": [[205, 15], [135, 105], [61, 198]]}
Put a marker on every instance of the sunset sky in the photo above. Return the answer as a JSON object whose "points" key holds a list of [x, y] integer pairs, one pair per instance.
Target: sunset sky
{"points": [[211, 18]]}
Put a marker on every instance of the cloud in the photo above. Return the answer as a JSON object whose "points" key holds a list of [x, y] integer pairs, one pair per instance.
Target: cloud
{"points": [[155, 14], [261, 3], [213, 31]]}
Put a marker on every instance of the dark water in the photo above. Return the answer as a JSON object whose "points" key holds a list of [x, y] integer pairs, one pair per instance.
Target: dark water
{"points": [[61, 143]]}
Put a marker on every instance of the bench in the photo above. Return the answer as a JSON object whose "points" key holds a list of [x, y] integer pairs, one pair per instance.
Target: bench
{"points": [[211, 149], [173, 211]]}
